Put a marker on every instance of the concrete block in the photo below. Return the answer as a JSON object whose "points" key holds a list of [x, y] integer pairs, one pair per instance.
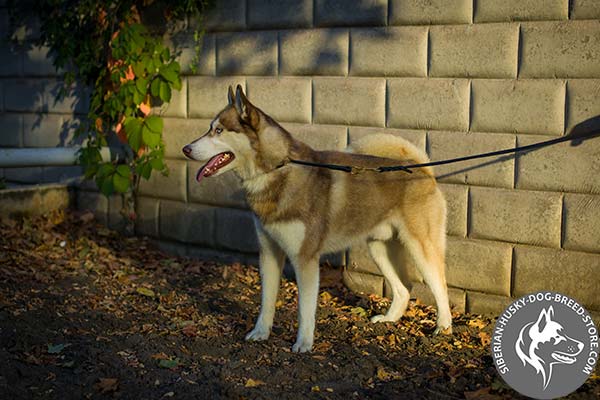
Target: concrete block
{"points": [[479, 265], [583, 101], [146, 210], [457, 297], [581, 217], [201, 61], [12, 61], [177, 107], [76, 100], [360, 282], [313, 52], [247, 53], [24, 95], [456, 204], [350, 12], [280, 13], [207, 96], [520, 10], [515, 216], [320, 137], [394, 51], [34, 200], [220, 256], [416, 137], [95, 202], [584, 9], [115, 213], [235, 230], [24, 175], [171, 248], [66, 174], [560, 49], [284, 99], [178, 132], [559, 168], [43, 130], [520, 106], [332, 106], [568, 272], [486, 304], [359, 260], [430, 12], [188, 223], [12, 127], [477, 51], [37, 61], [497, 172], [171, 187], [224, 190], [226, 15], [416, 103]]}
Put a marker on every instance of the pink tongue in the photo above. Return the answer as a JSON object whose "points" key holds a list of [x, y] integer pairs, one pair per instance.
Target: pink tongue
{"points": [[211, 163]]}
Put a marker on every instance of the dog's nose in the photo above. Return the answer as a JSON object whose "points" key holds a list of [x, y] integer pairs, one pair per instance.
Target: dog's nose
{"points": [[187, 150]]}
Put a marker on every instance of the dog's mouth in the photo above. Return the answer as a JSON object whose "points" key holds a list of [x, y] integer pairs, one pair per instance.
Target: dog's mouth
{"points": [[214, 164], [563, 358]]}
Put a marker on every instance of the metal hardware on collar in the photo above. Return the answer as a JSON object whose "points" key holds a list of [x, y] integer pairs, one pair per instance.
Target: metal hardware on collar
{"points": [[354, 170]]}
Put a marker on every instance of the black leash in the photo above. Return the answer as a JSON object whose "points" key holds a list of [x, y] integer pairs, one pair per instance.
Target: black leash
{"points": [[575, 138]]}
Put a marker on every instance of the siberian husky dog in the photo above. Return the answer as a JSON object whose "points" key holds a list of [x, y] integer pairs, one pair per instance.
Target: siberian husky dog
{"points": [[303, 212]]}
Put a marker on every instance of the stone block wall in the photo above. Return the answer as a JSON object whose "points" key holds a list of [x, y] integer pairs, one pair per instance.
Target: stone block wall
{"points": [[455, 77]]}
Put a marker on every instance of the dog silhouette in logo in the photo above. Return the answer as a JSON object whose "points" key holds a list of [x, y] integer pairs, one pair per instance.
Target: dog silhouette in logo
{"points": [[543, 344]]}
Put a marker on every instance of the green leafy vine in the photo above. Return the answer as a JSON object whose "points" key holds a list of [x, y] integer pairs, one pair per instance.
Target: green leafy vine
{"points": [[111, 47]]}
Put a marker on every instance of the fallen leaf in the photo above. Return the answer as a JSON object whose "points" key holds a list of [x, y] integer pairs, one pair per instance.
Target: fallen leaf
{"points": [[169, 364], [107, 385], [383, 375], [55, 348], [359, 311], [477, 323], [145, 292], [315, 388], [253, 383], [160, 356], [485, 338]]}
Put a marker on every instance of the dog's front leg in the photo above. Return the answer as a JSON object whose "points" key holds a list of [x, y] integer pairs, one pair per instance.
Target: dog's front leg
{"points": [[307, 279], [271, 261]]}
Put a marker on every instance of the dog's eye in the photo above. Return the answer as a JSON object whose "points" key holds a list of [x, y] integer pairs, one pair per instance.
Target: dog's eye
{"points": [[218, 130]]}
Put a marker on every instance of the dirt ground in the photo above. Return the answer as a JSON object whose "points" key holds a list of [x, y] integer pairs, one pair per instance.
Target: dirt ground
{"points": [[87, 313]]}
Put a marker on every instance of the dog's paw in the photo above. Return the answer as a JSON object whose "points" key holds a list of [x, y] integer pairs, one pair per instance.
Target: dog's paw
{"points": [[381, 318], [302, 345], [258, 333], [440, 330]]}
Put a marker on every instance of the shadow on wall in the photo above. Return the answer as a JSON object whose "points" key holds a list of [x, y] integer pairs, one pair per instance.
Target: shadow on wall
{"points": [[583, 131], [276, 48], [35, 90]]}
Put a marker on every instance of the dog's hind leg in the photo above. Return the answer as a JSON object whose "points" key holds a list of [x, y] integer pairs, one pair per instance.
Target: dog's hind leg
{"points": [[307, 278], [272, 259], [400, 295], [428, 255]]}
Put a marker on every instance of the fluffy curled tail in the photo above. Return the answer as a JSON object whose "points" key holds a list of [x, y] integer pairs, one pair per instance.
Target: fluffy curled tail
{"points": [[390, 146]]}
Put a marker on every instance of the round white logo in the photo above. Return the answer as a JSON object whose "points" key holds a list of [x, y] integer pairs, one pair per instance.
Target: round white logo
{"points": [[545, 345]]}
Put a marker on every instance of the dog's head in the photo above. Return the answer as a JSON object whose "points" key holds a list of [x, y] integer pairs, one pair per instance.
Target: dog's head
{"points": [[240, 138], [544, 343]]}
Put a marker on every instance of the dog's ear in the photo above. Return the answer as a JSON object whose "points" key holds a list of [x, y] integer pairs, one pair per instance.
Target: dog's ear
{"points": [[245, 109], [230, 95]]}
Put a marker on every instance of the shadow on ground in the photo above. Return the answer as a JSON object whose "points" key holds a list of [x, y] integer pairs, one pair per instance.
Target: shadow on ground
{"points": [[86, 313]]}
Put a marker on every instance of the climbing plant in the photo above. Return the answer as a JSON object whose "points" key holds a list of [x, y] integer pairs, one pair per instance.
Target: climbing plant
{"points": [[111, 47]]}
